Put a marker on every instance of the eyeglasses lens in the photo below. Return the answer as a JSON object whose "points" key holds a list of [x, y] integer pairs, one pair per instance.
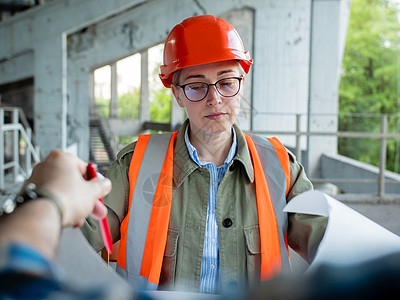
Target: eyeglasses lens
{"points": [[197, 91]]}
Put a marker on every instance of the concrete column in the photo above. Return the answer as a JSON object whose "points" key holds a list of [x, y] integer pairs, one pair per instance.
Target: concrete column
{"points": [[243, 21], [327, 35], [144, 113], [50, 99], [114, 92], [80, 89], [281, 67]]}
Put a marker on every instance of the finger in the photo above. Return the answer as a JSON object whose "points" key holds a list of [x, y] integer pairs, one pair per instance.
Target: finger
{"points": [[80, 223], [82, 166], [99, 211], [100, 186]]}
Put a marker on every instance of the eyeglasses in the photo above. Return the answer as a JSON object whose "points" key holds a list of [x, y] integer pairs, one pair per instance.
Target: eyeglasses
{"points": [[197, 91]]}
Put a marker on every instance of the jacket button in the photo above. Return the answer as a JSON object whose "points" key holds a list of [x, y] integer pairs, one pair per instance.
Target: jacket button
{"points": [[232, 167], [227, 223]]}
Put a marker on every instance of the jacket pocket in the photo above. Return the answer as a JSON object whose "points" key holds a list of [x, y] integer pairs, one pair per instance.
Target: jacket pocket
{"points": [[253, 253], [169, 262]]}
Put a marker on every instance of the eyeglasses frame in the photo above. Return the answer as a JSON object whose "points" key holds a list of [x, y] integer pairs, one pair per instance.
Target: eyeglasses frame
{"points": [[240, 78]]}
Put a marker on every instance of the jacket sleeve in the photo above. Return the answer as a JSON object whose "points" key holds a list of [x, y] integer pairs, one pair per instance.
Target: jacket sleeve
{"points": [[305, 232], [117, 201]]}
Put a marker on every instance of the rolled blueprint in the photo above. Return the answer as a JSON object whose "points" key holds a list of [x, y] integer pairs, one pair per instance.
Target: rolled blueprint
{"points": [[350, 237]]}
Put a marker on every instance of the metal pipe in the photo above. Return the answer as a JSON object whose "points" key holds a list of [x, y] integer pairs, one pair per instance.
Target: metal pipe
{"points": [[15, 120], [382, 156], [2, 173], [298, 146]]}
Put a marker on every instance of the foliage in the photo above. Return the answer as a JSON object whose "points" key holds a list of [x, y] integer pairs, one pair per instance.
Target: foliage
{"points": [[128, 106], [369, 80], [160, 107], [103, 107]]}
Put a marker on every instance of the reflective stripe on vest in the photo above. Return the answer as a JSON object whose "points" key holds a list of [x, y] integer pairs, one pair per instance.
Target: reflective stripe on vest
{"points": [[151, 153], [271, 151], [146, 211]]}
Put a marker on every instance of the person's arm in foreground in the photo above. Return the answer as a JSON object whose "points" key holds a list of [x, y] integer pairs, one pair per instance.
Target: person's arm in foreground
{"points": [[38, 223]]}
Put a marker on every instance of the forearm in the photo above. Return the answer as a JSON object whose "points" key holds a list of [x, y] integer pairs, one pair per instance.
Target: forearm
{"points": [[305, 233], [36, 224]]}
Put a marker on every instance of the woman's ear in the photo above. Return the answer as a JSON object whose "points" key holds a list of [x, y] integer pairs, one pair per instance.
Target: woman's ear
{"points": [[175, 92]]}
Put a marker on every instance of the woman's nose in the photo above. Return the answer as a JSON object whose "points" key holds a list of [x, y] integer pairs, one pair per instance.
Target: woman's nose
{"points": [[213, 97]]}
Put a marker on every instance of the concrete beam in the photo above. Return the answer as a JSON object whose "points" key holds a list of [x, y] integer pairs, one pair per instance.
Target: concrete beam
{"points": [[17, 68], [64, 16]]}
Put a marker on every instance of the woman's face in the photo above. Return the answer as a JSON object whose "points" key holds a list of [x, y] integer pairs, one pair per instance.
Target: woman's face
{"points": [[215, 114]]}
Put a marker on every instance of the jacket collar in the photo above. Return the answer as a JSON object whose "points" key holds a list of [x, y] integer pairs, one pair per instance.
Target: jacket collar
{"points": [[184, 165], [243, 154]]}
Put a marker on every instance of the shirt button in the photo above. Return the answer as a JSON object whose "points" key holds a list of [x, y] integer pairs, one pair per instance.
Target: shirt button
{"points": [[227, 223], [232, 167], [212, 267], [232, 285], [213, 240]]}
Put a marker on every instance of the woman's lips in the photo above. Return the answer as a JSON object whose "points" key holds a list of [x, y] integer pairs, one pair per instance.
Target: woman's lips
{"points": [[215, 116]]}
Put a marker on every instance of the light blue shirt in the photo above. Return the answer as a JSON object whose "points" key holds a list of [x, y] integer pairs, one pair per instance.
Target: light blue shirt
{"points": [[210, 274]]}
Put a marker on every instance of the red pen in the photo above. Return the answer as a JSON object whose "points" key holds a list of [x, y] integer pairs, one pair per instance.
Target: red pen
{"points": [[104, 228]]}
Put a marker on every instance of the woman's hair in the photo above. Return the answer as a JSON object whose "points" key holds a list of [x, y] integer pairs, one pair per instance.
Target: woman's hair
{"points": [[175, 77]]}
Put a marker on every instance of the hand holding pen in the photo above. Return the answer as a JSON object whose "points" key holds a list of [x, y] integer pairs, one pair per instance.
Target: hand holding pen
{"points": [[104, 227], [65, 176]]}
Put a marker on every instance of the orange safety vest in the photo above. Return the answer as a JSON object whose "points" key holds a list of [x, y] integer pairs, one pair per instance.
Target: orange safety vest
{"points": [[142, 266]]}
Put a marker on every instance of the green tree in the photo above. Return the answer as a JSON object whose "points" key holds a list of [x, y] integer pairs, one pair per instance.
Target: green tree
{"points": [[129, 105], [369, 77], [160, 107], [103, 107]]}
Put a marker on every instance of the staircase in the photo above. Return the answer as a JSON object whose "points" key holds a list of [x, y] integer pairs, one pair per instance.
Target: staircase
{"points": [[101, 144], [18, 154]]}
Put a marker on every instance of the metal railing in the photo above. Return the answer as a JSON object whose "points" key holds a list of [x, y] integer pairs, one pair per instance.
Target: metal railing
{"points": [[18, 143], [383, 135]]}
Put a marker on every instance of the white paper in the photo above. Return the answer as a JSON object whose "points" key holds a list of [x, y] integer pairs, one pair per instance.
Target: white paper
{"points": [[82, 264], [350, 237]]}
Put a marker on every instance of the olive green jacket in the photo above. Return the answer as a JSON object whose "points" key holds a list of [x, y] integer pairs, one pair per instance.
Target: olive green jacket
{"points": [[239, 245]]}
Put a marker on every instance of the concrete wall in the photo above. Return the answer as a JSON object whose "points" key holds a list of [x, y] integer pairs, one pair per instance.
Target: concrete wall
{"points": [[341, 167], [62, 42]]}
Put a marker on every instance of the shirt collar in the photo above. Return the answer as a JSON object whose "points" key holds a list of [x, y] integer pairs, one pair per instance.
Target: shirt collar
{"points": [[193, 152]]}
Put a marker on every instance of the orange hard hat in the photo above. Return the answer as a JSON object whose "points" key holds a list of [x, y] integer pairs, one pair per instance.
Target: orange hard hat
{"points": [[201, 40]]}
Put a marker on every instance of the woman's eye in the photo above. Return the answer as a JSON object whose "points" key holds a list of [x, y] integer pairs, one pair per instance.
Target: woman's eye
{"points": [[227, 84], [196, 87]]}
